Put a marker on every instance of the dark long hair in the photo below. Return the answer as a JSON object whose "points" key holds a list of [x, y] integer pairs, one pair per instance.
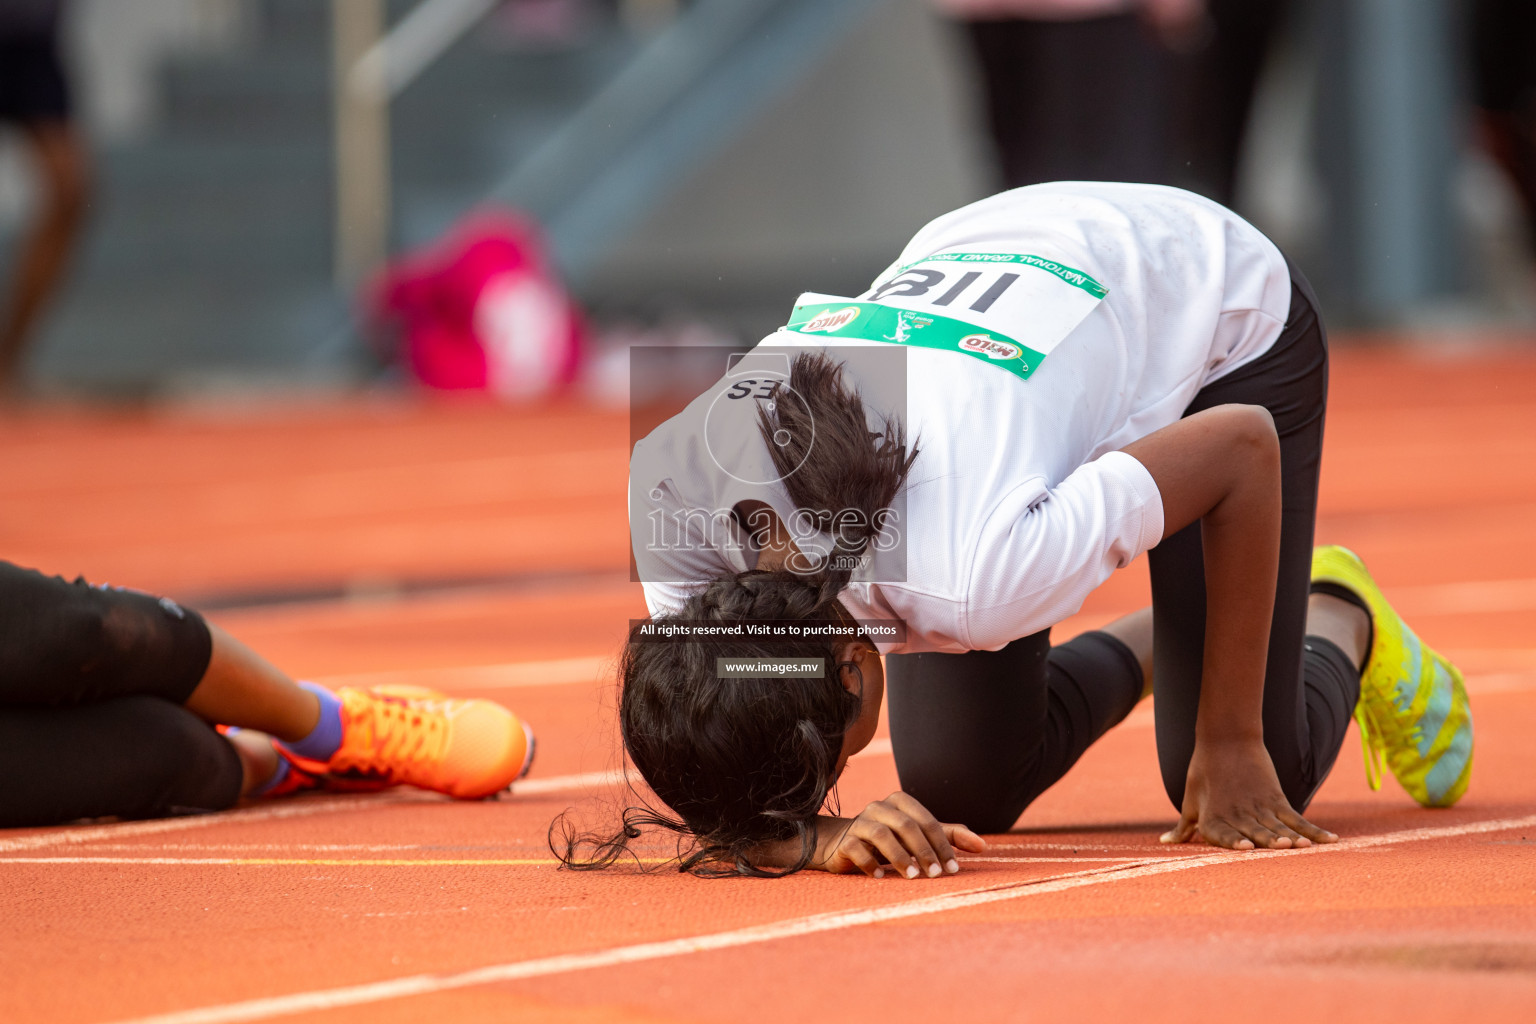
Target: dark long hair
{"points": [[742, 762]]}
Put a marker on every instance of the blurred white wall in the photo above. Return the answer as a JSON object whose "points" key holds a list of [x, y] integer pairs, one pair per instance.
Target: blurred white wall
{"points": [[117, 47]]}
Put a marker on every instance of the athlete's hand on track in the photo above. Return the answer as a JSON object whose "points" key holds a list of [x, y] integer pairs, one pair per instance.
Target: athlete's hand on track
{"points": [[896, 833], [1233, 798]]}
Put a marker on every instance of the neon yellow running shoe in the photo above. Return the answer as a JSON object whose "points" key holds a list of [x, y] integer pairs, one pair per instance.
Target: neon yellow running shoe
{"points": [[1413, 703]]}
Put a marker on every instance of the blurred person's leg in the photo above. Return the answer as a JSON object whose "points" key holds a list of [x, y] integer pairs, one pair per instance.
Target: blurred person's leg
{"points": [[61, 162], [1215, 79], [35, 97], [1074, 100], [1504, 83]]}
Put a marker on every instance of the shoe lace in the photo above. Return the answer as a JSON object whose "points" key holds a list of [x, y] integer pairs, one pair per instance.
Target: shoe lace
{"points": [[1370, 747], [400, 736]]}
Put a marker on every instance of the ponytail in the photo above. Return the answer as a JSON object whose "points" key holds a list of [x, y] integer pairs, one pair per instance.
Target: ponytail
{"points": [[836, 470]]}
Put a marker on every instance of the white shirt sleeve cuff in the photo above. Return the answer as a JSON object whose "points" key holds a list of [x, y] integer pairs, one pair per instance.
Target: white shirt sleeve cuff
{"points": [[1138, 479]]}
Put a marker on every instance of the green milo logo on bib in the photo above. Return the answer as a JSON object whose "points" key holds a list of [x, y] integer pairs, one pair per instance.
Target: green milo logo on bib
{"points": [[871, 321]]}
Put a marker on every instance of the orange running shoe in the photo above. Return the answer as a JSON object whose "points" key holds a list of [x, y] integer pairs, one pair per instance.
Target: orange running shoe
{"points": [[428, 694], [416, 737]]}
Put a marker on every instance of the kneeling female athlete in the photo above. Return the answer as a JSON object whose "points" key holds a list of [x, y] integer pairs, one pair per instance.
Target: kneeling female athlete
{"points": [[1090, 371]]}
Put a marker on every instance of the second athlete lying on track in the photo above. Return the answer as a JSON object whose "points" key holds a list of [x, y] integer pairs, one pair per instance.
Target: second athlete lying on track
{"points": [[1092, 371], [117, 703]]}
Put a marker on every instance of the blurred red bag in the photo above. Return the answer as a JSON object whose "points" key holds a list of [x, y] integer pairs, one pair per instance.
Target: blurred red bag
{"points": [[480, 310]]}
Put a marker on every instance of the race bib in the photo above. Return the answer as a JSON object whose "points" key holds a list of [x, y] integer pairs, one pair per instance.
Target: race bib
{"points": [[1009, 309]]}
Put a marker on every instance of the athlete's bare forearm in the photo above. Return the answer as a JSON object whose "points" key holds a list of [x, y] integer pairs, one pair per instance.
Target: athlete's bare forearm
{"points": [[1221, 468], [1241, 540]]}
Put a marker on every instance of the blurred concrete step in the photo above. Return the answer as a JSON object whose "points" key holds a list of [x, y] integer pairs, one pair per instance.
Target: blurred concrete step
{"points": [[123, 333], [279, 224], [247, 86], [175, 158]]}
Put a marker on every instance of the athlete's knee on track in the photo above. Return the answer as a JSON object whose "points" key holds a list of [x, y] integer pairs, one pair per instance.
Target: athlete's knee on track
{"points": [[87, 643], [966, 790], [61, 653], [133, 633], [126, 642]]}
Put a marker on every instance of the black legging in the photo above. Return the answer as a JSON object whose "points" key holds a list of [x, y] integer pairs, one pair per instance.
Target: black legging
{"points": [[978, 736], [1104, 99], [91, 724], [1074, 100]]}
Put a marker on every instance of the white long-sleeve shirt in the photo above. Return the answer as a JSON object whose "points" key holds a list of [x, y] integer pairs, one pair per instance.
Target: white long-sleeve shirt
{"points": [[1019, 503]]}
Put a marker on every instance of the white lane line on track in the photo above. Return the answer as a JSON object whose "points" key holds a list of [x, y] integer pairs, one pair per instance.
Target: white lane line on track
{"points": [[297, 809], [1129, 853], [565, 783], [1472, 597], [437, 862], [1477, 685], [304, 862], [266, 847], [1501, 682], [556, 672], [1087, 858], [566, 671], [1141, 717], [425, 984]]}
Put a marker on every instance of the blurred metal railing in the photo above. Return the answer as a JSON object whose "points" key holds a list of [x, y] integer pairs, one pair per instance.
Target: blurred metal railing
{"points": [[422, 36], [371, 68], [361, 131], [685, 93]]}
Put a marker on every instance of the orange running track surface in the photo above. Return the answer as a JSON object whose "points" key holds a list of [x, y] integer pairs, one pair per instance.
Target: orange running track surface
{"points": [[482, 550]]}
